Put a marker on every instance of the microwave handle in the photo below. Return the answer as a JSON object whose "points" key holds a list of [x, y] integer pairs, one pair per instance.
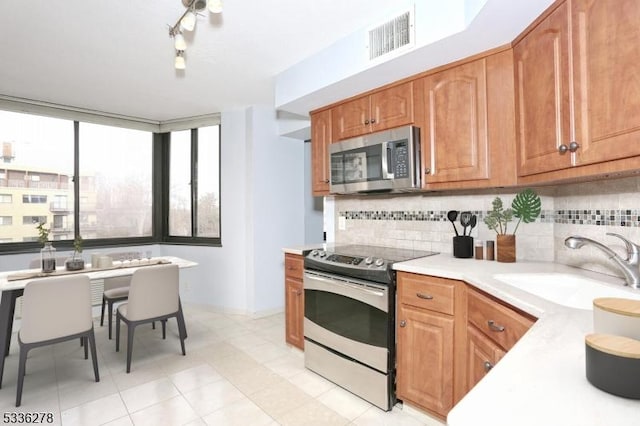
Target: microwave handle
{"points": [[387, 160]]}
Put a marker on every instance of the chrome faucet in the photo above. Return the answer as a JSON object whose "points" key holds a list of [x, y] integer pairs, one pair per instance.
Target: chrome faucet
{"points": [[630, 266]]}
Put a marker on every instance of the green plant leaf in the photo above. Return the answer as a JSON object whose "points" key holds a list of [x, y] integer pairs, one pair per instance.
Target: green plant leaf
{"points": [[526, 205]]}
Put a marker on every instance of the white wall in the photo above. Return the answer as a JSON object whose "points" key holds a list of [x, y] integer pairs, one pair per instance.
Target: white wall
{"points": [[262, 202], [220, 279]]}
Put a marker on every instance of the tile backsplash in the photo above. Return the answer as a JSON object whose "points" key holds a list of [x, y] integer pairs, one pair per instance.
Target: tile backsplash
{"points": [[419, 221]]}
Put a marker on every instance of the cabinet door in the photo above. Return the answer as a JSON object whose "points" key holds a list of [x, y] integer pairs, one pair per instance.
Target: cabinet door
{"points": [[320, 140], [455, 135], [542, 95], [606, 52], [392, 107], [482, 355], [351, 118], [425, 358], [294, 312]]}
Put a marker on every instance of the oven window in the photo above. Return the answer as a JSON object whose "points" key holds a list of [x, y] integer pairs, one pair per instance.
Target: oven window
{"points": [[347, 317]]}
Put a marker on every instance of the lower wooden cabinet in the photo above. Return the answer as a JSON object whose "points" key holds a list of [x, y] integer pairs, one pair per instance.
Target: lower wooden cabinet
{"points": [[294, 300], [493, 328], [429, 335], [425, 358], [482, 355], [449, 336]]}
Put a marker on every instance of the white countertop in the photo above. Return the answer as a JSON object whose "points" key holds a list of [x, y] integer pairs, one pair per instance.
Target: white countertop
{"points": [[541, 381], [300, 250]]}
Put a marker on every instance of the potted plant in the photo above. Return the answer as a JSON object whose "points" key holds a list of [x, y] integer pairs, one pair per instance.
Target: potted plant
{"points": [[526, 207], [48, 252], [76, 263]]}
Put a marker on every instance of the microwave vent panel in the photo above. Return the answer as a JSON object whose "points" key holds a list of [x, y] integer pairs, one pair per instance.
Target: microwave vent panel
{"points": [[391, 36]]}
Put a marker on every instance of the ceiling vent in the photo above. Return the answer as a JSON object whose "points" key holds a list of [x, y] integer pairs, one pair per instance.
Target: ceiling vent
{"points": [[391, 36]]}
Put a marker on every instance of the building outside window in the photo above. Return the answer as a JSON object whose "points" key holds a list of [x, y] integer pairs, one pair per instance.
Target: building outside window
{"points": [[37, 165], [6, 220], [34, 199]]}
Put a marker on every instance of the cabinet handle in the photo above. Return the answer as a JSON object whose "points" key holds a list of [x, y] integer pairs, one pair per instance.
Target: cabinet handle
{"points": [[403, 323], [427, 170], [573, 146], [494, 327], [298, 292], [424, 296], [366, 121], [373, 120], [487, 366], [326, 181], [563, 148]]}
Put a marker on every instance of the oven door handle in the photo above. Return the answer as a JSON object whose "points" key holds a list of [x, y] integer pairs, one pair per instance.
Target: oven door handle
{"points": [[345, 283]]}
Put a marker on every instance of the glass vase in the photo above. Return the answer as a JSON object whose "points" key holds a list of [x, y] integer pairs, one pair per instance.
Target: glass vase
{"points": [[48, 258]]}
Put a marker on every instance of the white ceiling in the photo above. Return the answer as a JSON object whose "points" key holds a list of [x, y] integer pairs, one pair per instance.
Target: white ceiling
{"points": [[116, 56]]}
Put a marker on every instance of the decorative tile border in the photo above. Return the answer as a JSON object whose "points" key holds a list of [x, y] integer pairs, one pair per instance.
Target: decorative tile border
{"points": [[603, 217]]}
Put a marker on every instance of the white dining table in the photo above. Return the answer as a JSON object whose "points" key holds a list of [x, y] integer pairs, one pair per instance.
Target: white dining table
{"points": [[12, 286]]}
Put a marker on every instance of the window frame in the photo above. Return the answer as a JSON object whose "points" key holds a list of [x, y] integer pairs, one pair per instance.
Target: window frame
{"points": [[193, 239], [160, 199]]}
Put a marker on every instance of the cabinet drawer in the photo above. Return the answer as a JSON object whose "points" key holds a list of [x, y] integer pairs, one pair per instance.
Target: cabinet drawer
{"points": [[500, 323], [293, 266], [432, 293]]}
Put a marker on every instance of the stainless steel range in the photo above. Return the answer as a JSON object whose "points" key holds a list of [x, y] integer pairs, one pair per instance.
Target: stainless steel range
{"points": [[349, 324]]}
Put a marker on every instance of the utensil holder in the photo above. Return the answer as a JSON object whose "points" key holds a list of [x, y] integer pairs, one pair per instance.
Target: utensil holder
{"points": [[463, 246]]}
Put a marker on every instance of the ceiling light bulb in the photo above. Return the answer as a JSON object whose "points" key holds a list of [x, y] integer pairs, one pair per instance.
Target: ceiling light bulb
{"points": [[189, 21], [215, 6], [180, 64], [180, 44]]}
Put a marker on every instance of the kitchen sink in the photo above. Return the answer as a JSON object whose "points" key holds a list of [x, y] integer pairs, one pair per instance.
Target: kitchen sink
{"points": [[568, 290]]}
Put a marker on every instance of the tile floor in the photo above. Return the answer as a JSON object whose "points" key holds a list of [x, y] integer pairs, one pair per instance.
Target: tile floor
{"points": [[237, 371]]}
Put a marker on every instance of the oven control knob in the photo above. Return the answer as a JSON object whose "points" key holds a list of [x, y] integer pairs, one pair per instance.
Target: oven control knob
{"points": [[379, 262], [322, 253], [314, 253], [368, 260]]}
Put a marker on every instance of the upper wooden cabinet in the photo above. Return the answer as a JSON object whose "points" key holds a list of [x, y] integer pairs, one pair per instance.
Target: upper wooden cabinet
{"points": [[542, 95], [320, 140], [467, 122], [384, 109], [606, 49], [578, 95]]}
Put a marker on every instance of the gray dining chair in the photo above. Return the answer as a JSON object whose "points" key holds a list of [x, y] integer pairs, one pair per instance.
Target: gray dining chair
{"points": [[153, 296], [55, 310], [116, 289]]}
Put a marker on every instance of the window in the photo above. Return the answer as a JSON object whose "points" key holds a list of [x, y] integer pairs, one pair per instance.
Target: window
{"points": [[33, 220], [116, 183], [38, 165], [34, 199], [194, 184], [107, 183]]}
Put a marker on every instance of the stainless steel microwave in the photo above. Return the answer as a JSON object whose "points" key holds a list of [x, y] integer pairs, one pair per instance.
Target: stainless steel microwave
{"points": [[387, 161]]}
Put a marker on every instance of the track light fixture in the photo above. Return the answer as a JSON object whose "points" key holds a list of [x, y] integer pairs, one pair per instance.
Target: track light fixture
{"points": [[187, 22]]}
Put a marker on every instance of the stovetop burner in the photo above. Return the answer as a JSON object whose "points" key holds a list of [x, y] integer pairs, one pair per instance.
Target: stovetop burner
{"points": [[389, 254]]}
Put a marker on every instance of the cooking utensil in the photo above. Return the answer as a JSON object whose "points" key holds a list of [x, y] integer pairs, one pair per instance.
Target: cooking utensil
{"points": [[465, 220], [472, 223], [452, 215]]}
